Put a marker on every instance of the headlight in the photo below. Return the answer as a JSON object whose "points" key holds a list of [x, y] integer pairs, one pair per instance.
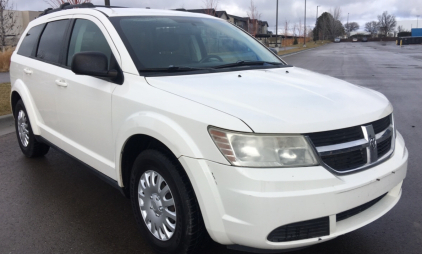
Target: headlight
{"points": [[252, 150]]}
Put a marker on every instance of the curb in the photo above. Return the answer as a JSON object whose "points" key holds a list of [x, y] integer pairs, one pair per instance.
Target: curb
{"points": [[302, 51], [6, 118]]}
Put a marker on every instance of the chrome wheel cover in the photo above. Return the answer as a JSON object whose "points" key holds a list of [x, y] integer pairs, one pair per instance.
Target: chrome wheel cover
{"points": [[23, 128], [157, 205]]}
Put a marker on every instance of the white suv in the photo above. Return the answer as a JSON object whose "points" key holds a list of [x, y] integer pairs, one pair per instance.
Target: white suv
{"points": [[205, 129]]}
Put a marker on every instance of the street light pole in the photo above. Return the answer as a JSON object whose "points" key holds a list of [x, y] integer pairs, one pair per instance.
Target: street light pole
{"points": [[276, 27], [107, 2], [317, 13], [304, 35], [348, 28], [316, 24], [417, 21]]}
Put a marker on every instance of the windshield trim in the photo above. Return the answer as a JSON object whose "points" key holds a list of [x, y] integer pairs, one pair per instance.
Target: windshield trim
{"points": [[210, 71]]}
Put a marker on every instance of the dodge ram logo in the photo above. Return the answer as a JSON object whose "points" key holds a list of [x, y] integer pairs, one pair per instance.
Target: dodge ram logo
{"points": [[373, 143]]}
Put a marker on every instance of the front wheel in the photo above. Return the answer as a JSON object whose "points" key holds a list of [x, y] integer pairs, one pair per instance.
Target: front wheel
{"points": [[26, 139], [165, 206]]}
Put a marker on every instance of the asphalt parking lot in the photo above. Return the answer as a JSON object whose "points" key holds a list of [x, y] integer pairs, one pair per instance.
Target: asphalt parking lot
{"points": [[54, 205]]}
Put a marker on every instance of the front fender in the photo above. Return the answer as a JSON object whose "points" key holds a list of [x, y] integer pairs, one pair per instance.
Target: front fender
{"points": [[181, 142], [167, 131], [178, 123]]}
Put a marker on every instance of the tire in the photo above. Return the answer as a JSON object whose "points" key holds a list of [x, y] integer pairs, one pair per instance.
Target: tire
{"points": [[27, 142], [189, 233]]}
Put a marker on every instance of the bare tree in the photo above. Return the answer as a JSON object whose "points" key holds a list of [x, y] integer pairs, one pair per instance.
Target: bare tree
{"points": [[8, 27], [57, 3], [295, 34], [387, 23], [210, 6], [401, 29], [294, 29], [254, 16], [351, 27], [372, 27], [337, 28], [300, 29]]}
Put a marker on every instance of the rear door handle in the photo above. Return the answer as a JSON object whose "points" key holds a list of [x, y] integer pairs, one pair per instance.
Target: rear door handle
{"points": [[27, 71], [61, 82]]}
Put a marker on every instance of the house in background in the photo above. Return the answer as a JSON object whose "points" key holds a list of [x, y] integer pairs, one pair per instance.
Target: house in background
{"points": [[240, 22], [212, 12], [245, 23], [262, 27], [251, 25]]}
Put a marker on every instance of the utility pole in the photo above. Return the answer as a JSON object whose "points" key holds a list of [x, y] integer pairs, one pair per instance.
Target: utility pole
{"points": [[317, 13], [304, 35], [316, 23], [107, 2], [276, 26], [348, 28]]}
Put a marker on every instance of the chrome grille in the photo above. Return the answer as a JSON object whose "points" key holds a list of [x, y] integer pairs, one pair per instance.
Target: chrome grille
{"points": [[355, 148]]}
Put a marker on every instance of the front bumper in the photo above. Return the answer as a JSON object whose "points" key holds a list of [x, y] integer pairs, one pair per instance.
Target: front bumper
{"points": [[241, 206]]}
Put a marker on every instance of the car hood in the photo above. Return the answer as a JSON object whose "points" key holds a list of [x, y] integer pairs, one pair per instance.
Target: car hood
{"points": [[281, 100]]}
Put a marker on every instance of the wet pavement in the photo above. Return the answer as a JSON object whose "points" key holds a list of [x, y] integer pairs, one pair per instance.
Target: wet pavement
{"points": [[4, 77], [54, 205]]}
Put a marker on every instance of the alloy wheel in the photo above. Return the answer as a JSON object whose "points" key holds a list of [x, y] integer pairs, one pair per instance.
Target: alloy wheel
{"points": [[23, 128]]}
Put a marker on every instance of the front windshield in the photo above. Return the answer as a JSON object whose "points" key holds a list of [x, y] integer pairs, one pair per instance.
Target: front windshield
{"points": [[162, 42]]}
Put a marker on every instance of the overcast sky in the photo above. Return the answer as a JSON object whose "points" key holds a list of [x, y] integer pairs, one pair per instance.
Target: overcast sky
{"points": [[360, 11]]}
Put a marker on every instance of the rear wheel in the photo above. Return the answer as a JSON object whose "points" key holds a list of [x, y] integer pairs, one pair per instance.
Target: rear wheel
{"points": [[164, 204], [26, 139]]}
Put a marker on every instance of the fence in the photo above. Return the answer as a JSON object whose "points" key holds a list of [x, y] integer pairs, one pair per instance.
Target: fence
{"points": [[371, 39], [409, 40], [284, 42]]}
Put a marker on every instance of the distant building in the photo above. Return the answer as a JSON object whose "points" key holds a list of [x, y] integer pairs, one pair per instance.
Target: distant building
{"points": [[248, 24], [212, 12], [245, 23], [239, 21], [22, 19], [416, 32]]}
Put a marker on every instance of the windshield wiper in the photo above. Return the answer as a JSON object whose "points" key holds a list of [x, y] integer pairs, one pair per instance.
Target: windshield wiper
{"points": [[172, 68], [246, 63]]}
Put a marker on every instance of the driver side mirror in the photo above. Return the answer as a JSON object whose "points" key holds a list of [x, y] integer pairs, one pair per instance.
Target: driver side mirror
{"points": [[92, 64]]}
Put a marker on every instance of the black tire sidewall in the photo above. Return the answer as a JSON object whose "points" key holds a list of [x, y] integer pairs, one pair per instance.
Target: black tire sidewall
{"points": [[154, 160]]}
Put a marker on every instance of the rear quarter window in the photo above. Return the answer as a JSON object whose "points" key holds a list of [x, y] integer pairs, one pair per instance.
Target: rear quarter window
{"points": [[29, 43]]}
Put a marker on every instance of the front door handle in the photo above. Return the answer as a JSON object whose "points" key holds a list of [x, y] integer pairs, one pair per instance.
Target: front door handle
{"points": [[27, 71], [61, 82]]}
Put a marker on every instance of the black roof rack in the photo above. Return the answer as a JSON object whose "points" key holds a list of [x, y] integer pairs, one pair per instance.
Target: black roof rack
{"points": [[67, 6]]}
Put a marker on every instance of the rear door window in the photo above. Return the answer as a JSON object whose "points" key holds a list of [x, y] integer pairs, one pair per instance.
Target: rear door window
{"points": [[29, 43], [51, 42]]}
